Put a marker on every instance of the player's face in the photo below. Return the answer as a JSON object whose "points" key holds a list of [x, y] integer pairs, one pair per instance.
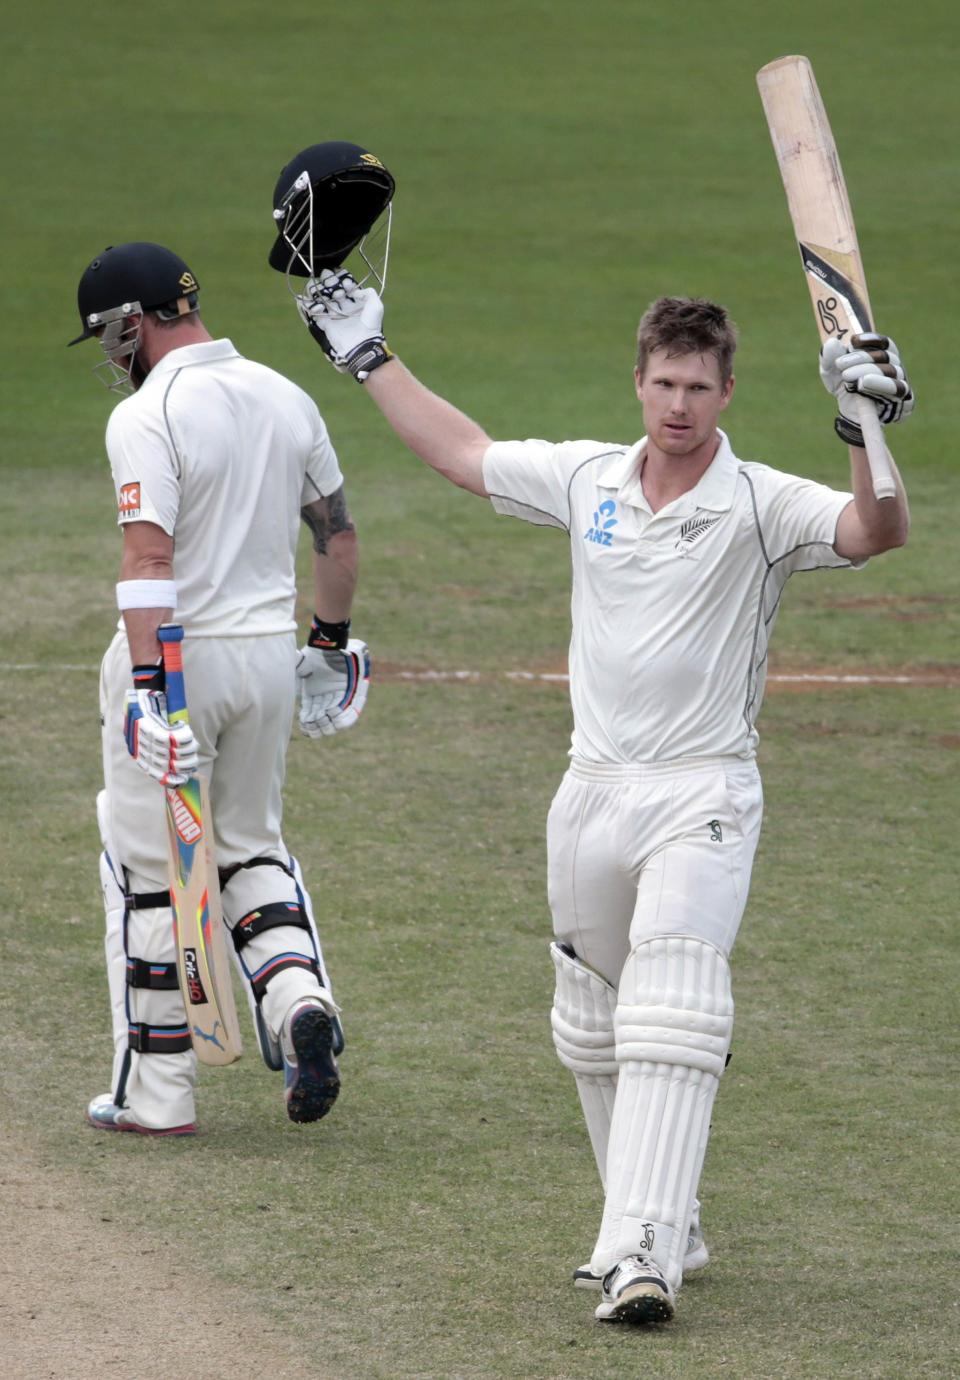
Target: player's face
{"points": [[682, 397]]}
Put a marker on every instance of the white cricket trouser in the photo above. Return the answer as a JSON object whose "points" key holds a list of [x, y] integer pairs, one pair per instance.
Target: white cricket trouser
{"points": [[640, 851], [240, 696], [649, 869]]}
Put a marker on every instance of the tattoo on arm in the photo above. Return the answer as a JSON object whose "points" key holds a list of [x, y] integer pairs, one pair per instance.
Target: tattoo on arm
{"points": [[326, 517]]}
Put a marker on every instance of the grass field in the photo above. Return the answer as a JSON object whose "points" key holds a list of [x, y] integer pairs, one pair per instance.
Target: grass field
{"points": [[558, 167]]}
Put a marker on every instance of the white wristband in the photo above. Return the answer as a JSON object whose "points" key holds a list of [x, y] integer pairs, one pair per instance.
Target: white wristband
{"points": [[147, 594]]}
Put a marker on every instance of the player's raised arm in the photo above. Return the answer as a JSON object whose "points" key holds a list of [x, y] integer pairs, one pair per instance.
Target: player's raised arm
{"points": [[347, 323]]}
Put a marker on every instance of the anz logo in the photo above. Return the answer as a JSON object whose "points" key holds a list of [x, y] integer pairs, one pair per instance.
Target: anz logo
{"points": [[603, 524]]}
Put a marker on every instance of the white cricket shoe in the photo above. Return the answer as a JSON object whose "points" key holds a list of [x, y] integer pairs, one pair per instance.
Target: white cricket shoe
{"points": [[104, 1114], [636, 1291], [696, 1257], [309, 1042]]}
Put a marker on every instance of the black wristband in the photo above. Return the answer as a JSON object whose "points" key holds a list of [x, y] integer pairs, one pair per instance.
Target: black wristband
{"points": [[328, 637], [367, 357], [848, 431], [149, 677]]}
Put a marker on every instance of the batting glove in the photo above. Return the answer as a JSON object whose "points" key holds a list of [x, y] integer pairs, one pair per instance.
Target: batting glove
{"points": [[867, 365], [333, 685], [169, 754], [346, 321]]}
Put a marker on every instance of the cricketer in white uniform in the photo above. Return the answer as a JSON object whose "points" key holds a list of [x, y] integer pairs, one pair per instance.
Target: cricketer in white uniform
{"points": [[215, 462], [680, 554]]}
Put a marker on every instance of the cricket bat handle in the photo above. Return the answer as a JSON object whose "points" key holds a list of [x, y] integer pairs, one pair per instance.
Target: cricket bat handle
{"points": [[170, 636], [881, 470]]}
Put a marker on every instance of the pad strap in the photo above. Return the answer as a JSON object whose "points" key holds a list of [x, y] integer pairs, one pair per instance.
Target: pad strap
{"points": [[159, 1039], [146, 900], [225, 873], [273, 966], [159, 977], [269, 917]]}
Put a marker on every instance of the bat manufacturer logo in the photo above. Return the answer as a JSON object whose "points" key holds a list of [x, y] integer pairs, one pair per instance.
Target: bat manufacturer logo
{"points": [[211, 1039], [844, 303], [826, 307], [186, 823], [191, 969]]}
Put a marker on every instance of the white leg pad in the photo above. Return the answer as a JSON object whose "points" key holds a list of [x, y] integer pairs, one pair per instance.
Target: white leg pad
{"points": [[114, 907], [308, 909], [158, 1088], [248, 889], [674, 1022], [583, 1033]]}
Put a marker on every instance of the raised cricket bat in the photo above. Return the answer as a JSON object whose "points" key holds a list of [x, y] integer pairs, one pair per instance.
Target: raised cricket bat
{"points": [[203, 965], [823, 224]]}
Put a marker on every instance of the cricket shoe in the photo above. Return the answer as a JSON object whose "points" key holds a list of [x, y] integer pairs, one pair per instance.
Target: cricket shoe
{"points": [[310, 1042], [104, 1114], [636, 1291], [696, 1257]]}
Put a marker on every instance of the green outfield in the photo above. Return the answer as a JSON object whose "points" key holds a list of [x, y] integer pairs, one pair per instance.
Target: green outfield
{"points": [[558, 166]]}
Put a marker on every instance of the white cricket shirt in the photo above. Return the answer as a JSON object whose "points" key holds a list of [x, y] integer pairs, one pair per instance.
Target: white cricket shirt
{"points": [[222, 453], [672, 611]]}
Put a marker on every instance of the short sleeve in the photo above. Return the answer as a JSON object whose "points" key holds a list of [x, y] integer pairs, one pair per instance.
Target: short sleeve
{"points": [[323, 476], [531, 479], [798, 521], [145, 467]]}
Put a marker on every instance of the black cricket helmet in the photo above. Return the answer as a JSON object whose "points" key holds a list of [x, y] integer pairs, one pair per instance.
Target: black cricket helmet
{"points": [[326, 202], [116, 288]]}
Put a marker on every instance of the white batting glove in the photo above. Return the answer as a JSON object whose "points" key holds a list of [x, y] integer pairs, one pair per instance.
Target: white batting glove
{"points": [[346, 321], [332, 685], [867, 365], [169, 754]]}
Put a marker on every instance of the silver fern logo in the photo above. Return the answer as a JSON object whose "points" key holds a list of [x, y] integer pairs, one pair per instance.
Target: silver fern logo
{"points": [[694, 528]]}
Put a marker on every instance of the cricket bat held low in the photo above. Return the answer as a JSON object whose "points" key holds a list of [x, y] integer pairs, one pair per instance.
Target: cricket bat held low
{"points": [[823, 224], [203, 964]]}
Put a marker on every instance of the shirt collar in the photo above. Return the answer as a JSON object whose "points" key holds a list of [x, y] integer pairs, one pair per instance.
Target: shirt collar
{"points": [[714, 490], [207, 352]]}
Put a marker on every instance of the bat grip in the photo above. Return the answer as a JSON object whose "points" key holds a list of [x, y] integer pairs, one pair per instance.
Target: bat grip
{"points": [[881, 470], [170, 637]]}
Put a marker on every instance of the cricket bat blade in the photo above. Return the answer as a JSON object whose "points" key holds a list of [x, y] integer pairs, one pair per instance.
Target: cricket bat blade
{"points": [[823, 224], [203, 964]]}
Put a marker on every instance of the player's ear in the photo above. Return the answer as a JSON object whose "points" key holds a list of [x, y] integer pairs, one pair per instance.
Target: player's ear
{"points": [[727, 393]]}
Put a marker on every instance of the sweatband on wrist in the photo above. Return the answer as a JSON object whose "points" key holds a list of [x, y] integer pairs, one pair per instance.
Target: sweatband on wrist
{"points": [[150, 677], [367, 357], [147, 594], [328, 637], [848, 431]]}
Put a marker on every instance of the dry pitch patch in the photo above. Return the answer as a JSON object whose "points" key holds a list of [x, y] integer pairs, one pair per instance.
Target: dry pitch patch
{"points": [[79, 1297]]}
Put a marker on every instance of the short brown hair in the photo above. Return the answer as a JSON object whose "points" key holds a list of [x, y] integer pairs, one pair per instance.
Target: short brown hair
{"points": [[687, 326]]}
